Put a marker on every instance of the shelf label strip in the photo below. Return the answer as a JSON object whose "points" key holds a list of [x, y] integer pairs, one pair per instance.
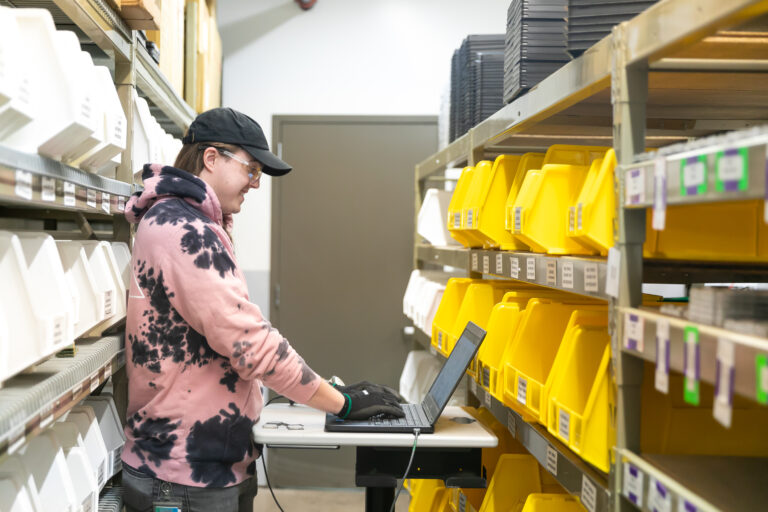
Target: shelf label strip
{"points": [[660, 194], [662, 356], [724, 379], [515, 267]]}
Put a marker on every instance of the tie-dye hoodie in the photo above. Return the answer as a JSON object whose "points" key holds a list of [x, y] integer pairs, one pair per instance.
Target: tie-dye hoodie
{"points": [[197, 349]]}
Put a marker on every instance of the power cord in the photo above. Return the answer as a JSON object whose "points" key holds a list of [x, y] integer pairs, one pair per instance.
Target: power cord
{"points": [[416, 433], [266, 477]]}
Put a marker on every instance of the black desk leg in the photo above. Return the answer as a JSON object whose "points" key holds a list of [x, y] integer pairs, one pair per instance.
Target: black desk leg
{"points": [[379, 499]]}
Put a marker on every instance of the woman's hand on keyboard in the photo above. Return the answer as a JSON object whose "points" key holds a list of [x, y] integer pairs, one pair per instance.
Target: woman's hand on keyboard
{"points": [[363, 404]]}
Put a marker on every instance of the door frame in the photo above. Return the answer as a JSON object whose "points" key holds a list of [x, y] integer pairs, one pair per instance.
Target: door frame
{"points": [[278, 122]]}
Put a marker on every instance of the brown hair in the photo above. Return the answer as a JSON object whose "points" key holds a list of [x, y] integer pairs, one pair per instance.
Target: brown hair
{"points": [[190, 157]]}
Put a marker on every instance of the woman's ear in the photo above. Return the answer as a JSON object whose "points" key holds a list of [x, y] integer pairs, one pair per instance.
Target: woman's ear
{"points": [[209, 158]]}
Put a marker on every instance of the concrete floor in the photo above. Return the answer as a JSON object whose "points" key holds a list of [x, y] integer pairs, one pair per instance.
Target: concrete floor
{"points": [[336, 500]]}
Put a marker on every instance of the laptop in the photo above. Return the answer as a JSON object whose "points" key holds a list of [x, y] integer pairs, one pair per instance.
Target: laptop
{"points": [[423, 415]]}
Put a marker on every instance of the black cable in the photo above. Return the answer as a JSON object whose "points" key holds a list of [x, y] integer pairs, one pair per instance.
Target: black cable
{"points": [[266, 477], [416, 433]]}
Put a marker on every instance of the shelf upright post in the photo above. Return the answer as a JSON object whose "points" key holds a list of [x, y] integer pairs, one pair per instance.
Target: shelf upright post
{"points": [[125, 82], [629, 92]]}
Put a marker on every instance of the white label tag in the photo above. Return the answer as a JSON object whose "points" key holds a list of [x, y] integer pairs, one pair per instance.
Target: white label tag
{"points": [[551, 272], [588, 494], [474, 261], [94, 382], [23, 187], [105, 202], [108, 303], [16, 438], [487, 399], [57, 333], [486, 264], [515, 267], [591, 278], [579, 216], [522, 390], [612, 278], [633, 484], [723, 406], [108, 371], [457, 220], [566, 276], [90, 198], [571, 219], [469, 218], [48, 192], [659, 497], [473, 386], [662, 356], [120, 203], [518, 218], [46, 415], [633, 332], [564, 425], [440, 340], [635, 186], [660, 194], [462, 502], [530, 269], [693, 174], [499, 263], [551, 460], [511, 423], [731, 167], [69, 194]]}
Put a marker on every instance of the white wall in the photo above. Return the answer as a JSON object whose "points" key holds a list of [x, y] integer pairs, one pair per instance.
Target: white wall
{"points": [[387, 57]]}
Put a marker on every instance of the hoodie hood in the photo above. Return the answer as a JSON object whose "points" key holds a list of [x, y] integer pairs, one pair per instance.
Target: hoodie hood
{"points": [[164, 181]]}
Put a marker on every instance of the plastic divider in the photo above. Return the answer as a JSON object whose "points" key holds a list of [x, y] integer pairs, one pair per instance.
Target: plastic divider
{"points": [[45, 460], [579, 392], [430, 222], [15, 100]]}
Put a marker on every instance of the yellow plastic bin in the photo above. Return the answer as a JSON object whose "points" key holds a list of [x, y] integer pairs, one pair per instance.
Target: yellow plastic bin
{"points": [[515, 478], [506, 444], [486, 203], [528, 162], [476, 306], [731, 231], [445, 318], [669, 425], [502, 325], [532, 352], [454, 219], [590, 220], [423, 493], [541, 208], [553, 503], [473, 200], [472, 500], [579, 392]]}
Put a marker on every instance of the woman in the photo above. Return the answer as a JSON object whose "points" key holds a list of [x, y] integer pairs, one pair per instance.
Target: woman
{"points": [[197, 349]]}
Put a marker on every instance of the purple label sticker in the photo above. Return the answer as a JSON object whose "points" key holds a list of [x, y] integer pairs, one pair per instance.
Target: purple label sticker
{"points": [[661, 489], [689, 508]]}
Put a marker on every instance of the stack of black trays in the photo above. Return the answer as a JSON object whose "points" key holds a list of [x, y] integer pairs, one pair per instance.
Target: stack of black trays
{"points": [[591, 20], [536, 43], [476, 81]]}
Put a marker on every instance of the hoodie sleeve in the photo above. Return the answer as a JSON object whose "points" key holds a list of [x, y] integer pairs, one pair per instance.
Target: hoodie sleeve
{"points": [[205, 287]]}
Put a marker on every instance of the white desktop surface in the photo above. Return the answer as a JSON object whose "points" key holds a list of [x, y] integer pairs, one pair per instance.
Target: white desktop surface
{"points": [[448, 433]]}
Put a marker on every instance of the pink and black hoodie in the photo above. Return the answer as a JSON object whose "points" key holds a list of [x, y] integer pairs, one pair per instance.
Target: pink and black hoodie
{"points": [[197, 349]]}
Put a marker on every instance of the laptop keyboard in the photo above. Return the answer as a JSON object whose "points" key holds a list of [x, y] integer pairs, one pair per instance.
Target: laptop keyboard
{"points": [[414, 416]]}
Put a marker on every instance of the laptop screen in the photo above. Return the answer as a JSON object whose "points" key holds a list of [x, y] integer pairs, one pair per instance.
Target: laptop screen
{"points": [[450, 374]]}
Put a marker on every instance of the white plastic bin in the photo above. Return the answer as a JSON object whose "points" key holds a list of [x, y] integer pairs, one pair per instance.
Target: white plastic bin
{"points": [[111, 431], [62, 116], [26, 347], [431, 219], [83, 477], [45, 461], [90, 89], [105, 283], [429, 302], [88, 295], [13, 495], [49, 291], [13, 466], [15, 108], [102, 259], [115, 125], [86, 421], [123, 259], [140, 143]]}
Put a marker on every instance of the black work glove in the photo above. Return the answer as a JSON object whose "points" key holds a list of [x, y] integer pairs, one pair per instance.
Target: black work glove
{"points": [[370, 386], [363, 404]]}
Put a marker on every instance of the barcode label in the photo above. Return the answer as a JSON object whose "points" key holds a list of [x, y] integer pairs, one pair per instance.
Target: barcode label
{"points": [[551, 460], [579, 216], [90, 198], [511, 423], [108, 303], [571, 219], [105, 202], [457, 220], [518, 218], [564, 425], [567, 275], [58, 330], [486, 264], [515, 267], [633, 484], [551, 272], [69, 194], [48, 193], [487, 399], [659, 497], [635, 186], [530, 269], [94, 382], [474, 262], [23, 186], [462, 502], [591, 278], [588, 494], [120, 203], [499, 264], [469, 218], [522, 389], [633, 332]]}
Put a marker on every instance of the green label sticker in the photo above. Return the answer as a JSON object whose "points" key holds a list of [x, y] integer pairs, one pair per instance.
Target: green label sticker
{"points": [[691, 366], [732, 170], [761, 364], [693, 176]]}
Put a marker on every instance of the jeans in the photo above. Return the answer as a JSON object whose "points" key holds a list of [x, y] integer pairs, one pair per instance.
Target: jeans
{"points": [[141, 490]]}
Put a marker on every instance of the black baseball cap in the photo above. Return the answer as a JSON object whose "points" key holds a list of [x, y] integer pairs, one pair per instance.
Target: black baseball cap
{"points": [[232, 127]]}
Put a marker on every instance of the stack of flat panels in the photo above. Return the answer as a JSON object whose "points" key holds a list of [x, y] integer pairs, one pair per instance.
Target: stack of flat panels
{"points": [[468, 74], [536, 43], [591, 20]]}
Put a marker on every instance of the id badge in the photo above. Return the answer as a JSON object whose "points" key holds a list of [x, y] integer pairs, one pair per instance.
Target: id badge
{"points": [[169, 505]]}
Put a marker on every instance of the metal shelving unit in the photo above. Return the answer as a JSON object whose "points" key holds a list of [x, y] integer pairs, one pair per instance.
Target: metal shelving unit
{"points": [[679, 71], [33, 400]]}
